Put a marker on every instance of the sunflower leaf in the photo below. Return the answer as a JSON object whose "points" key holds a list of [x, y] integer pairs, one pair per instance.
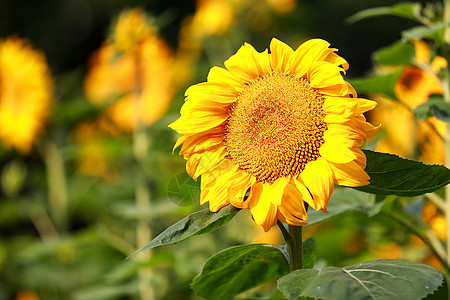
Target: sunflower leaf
{"points": [[399, 53], [381, 84], [343, 200], [409, 10], [424, 110], [200, 222], [435, 32], [441, 110], [237, 269], [379, 279], [309, 253], [392, 175]]}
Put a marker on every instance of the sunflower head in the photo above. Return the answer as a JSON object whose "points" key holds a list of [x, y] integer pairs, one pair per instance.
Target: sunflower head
{"points": [[26, 90], [275, 130], [132, 28], [137, 85]]}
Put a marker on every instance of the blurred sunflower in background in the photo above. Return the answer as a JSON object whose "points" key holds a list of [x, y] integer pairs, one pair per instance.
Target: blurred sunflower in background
{"points": [[26, 91], [409, 137], [284, 126], [405, 135], [131, 74]]}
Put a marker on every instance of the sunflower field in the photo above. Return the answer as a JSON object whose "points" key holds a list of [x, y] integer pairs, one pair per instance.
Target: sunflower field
{"points": [[224, 149]]}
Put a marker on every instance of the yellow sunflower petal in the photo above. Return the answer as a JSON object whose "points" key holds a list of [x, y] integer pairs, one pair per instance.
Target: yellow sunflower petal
{"points": [[349, 139], [334, 151], [200, 143], [239, 184], [280, 56], [180, 141], [247, 64], [275, 190], [215, 189], [330, 56], [292, 206], [360, 123], [199, 163], [351, 91], [327, 79], [438, 63], [212, 91], [319, 179], [305, 55], [217, 74], [264, 212], [365, 105], [351, 173], [198, 121], [339, 109], [306, 194]]}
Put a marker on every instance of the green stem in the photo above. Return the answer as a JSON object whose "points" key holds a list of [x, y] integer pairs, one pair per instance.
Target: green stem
{"points": [[437, 200], [143, 194], [295, 247], [56, 182]]}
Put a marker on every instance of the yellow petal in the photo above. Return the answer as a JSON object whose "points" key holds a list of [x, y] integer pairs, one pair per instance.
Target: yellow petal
{"points": [[180, 141], [305, 55], [330, 56], [239, 184], [217, 74], [247, 64], [345, 135], [198, 121], [306, 194], [199, 163], [339, 109], [319, 179], [351, 173], [218, 92], [280, 55], [333, 150], [292, 206], [365, 105], [215, 187], [274, 191], [438, 63], [201, 142], [327, 79], [264, 212], [351, 91]]}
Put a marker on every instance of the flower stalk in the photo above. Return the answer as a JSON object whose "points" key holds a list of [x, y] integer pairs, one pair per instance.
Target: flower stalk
{"points": [[143, 194], [295, 247]]}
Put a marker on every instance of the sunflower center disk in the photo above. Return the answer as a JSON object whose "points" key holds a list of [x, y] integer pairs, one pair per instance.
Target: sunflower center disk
{"points": [[275, 127]]}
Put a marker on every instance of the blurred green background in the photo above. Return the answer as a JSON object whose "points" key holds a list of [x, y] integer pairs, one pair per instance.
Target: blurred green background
{"points": [[69, 209]]}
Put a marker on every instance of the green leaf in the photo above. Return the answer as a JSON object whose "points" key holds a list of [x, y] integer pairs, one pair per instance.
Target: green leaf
{"points": [[238, 269], [441, 110], [343, 200], [379, 279], [309, 253], [381, 84], [392, 175], [409, 10], [399, 53], [424, 110], [434, 32], [197, 223]]}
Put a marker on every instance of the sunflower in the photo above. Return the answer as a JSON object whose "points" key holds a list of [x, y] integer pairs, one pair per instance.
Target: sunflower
{"points": [[273, 131], [25, 93], [132, 75], [404, 134]]}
